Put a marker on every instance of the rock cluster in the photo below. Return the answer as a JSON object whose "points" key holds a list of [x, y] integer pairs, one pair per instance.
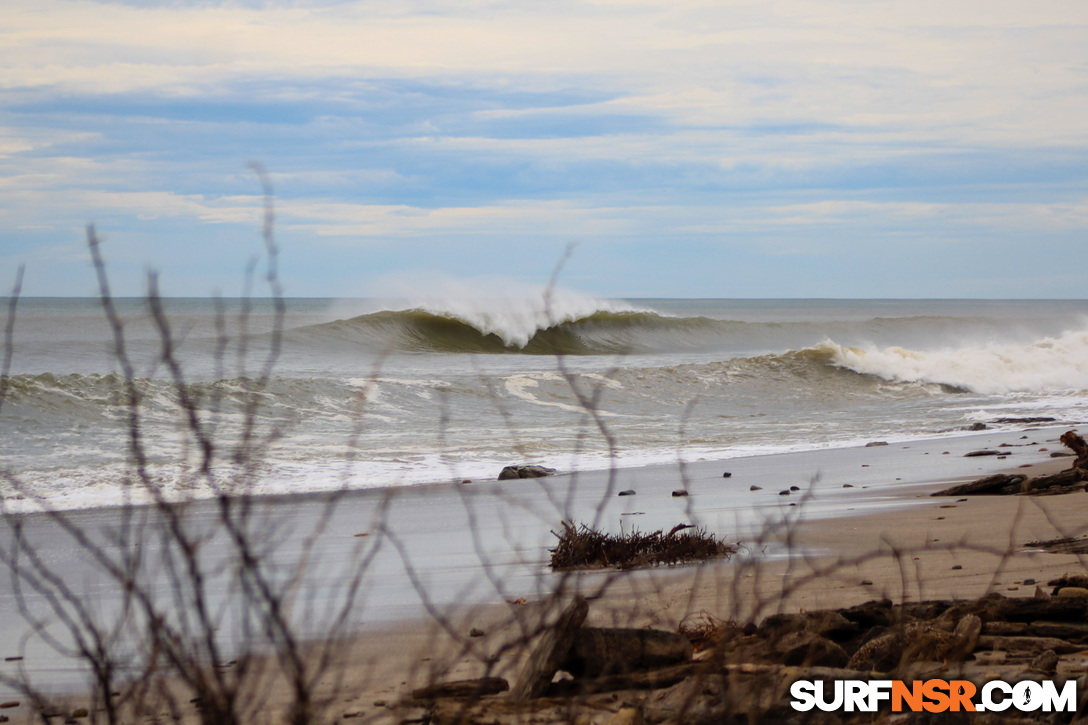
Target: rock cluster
{"points": [[1067, 481]]}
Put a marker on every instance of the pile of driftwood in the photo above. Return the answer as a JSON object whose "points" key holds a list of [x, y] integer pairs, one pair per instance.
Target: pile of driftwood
{"points": [[744, 674], [1067, 481], [580, 547]]}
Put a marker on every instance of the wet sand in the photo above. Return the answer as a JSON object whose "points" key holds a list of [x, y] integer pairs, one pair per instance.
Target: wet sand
{"points": [[913, 548], [862, 526]]}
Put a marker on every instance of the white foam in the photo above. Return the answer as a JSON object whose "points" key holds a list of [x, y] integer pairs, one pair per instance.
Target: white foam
{"points": [[513, 311], [1049, 364]]}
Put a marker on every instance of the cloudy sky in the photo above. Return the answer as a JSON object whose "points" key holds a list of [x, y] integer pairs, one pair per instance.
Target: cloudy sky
{"points": [[775, 148]]}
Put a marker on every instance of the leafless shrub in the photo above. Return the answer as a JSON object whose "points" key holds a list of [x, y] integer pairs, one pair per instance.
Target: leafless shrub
{"points": [[209, 607]]}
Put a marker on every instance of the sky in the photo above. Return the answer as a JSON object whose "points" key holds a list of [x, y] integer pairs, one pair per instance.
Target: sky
{"points": [[777, 148]]}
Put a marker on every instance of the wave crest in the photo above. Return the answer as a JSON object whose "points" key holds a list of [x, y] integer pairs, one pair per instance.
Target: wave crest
{"points": [[601, 331], [1044, 365]]}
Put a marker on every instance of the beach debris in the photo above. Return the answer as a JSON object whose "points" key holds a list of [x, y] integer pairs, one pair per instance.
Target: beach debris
{"points": [[601, 651], [462, 689], [874, 444], [522, 471], [744, 674], [679, 493], [1069, 580], [1046, 663], [727, 474], [976, 454], [1067, 481], [1075, 443], [551, 651], [1061, 546], [476, 632], [580, 547], [1073, 592], [627, 492], [977, 426], [755, 488]]}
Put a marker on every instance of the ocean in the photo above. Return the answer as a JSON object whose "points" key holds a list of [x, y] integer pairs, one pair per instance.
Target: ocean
{"points": [[455, 385]]}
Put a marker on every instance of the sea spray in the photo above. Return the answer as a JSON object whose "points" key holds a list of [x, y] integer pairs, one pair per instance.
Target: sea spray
{"points": [[1048, 364]]}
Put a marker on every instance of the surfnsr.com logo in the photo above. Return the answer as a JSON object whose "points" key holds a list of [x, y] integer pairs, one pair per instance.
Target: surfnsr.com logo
{"points": [[933, 696]]}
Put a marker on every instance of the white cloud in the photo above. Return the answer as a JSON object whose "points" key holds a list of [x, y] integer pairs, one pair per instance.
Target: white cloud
{"points": [[988, 71], [516, 217], [995, 216]]}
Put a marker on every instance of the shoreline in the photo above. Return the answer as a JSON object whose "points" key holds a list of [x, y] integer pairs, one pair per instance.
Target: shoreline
{"points": [[803, 564], [21, 506]]}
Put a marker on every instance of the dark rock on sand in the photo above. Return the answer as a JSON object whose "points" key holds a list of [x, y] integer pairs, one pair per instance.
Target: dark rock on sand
{"points": [[1005, 485], [511, 472], [628, 492], [1069, 580], [989, 485], [679, 493]]}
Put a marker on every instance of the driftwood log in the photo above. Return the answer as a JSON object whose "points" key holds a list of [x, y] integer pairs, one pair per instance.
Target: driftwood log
{"points": [[551, 651], [1079, 447], [599, 651], [746, 675]]}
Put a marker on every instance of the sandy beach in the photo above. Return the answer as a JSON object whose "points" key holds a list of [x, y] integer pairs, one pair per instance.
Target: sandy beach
{"points": [[906, 547], [460, 582]]}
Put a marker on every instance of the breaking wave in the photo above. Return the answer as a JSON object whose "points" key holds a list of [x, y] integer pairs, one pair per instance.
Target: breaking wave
{"points": [[1049, 364], [601, 331]]}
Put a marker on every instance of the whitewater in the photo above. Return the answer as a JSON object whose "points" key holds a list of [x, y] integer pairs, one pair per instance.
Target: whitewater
{"points": [[453, 385]]}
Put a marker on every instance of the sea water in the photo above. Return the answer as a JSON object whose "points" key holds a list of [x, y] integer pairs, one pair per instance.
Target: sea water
{"points": [[332, 394]]}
